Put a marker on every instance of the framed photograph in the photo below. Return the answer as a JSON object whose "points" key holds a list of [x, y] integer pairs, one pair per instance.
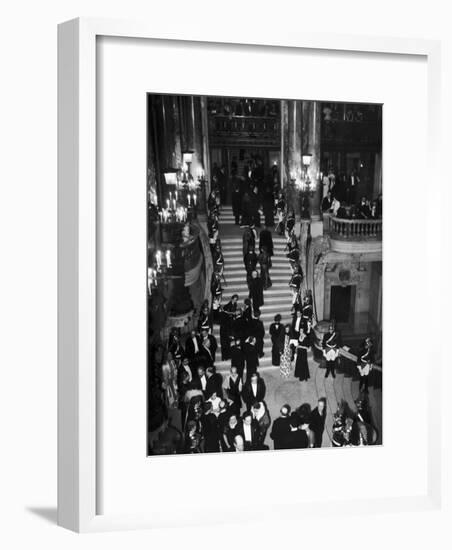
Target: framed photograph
{"points": [[237, 274]]}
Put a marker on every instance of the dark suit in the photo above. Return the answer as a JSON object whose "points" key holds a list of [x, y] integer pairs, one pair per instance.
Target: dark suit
{"points": [[297, 439], [276, 333], [256, 293], [205, 357], [250, 397], [266, 239], [211, 433], [254, 443], [250, 261], [248, 240], [190, 346], [214, 384], [280, 429], [251, 359], [213, 345], [256, 329], [237, 359]]}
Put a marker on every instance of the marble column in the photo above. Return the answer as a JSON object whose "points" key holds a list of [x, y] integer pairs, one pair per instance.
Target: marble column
{"points": [[170, 145], [311, 145], [292, 151], [205, 146], [191, 121]]}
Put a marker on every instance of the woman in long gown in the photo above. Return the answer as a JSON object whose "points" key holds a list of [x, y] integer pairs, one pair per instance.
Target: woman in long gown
{"points": [[301, 362], [233, 389], [265, 263], [286, 353], [276, 334]]}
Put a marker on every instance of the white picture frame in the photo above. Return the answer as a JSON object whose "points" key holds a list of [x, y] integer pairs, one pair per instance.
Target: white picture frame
{"points": [[78, 468]]}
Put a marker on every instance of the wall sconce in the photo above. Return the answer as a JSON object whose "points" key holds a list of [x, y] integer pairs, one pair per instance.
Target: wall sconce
{"points": [[187, 157], [170, 177], [306, 159]]}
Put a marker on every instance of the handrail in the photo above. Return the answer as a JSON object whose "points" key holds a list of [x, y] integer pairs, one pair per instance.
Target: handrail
{"points": [[355, 229]]}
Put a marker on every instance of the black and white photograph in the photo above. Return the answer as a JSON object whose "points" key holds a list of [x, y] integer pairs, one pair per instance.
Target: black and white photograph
{"points": [[264, 274]]}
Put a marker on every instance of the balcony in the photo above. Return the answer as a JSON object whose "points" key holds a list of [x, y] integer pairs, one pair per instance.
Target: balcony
{"points": [[354, 236], [245, 130]]}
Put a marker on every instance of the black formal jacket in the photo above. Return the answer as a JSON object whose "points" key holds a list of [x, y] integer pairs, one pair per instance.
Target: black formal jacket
{"points": [[276, 331], [256, 292], [256, 329], [295, 440], [265, 239], [214, 384], [280, 429], [237, 358], [251, 354], [253, 445], [248, 395], [213, 345], [190, 346]]}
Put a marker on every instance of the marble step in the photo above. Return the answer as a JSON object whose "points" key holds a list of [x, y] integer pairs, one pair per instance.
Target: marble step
{"points": [[237, 253], [275, 277], [276, 264], [242, 289], [240, 275], [278, 249], [276, 239]]}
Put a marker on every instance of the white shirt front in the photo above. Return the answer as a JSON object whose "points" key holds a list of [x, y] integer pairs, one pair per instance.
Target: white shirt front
{"points": [[297, 324], [195, 343], [203, 382], [254, 389], [247, 432]]}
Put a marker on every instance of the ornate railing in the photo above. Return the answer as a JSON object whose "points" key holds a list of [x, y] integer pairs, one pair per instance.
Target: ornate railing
{"points": [[245, 129], [355, 230]]}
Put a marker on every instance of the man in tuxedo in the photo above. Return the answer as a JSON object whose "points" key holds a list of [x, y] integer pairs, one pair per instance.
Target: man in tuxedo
{"points": [[225, 321], [205, 356], [205, 336], [281, 427], [327, 202], [254, 208], [236, 197], [250, 432], [364, 212], [192, 345], [250, 262], [256, 329], [199, 382], [231, 307], [256, 291], [266, 239], [214, 382], [237, 357], [352, 186], [209, 423], [251, 356], [254, 390]]}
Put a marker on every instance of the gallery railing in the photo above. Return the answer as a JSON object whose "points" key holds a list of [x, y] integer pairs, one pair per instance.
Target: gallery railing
{"points": [[355, 230], [262, 130]]}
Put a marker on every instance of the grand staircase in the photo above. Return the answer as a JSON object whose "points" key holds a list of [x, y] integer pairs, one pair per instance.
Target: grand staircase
{"points": [[277, 299]]}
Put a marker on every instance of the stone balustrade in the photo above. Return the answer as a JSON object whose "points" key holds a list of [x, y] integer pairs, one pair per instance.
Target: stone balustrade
{"points": [[355, 230]]}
